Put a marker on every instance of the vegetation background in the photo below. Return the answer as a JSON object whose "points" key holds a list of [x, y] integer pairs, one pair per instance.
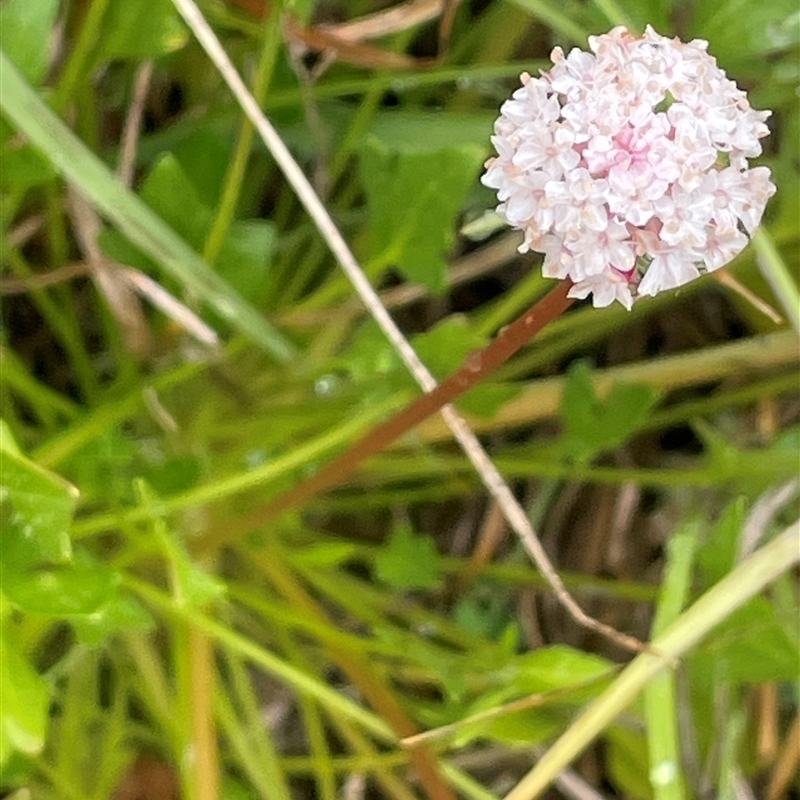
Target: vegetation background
{"points": [[179, 347]]}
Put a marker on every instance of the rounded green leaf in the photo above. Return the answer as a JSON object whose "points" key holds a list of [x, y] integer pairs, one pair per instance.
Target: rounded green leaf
{"points": [[140, 29], [35, 510], [60, 590], [25, 28]]}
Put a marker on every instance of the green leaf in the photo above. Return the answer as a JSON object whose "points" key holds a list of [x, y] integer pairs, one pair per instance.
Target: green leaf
{"points": [[196, 587], [413, 198], [445, 346], [120, 249], [788, 441], [413, 131], [25, 35], [176, 474], [105, 466], [553, 667], [79, 587], [169, 192], [750, 471], [754, 645], [373, 363], [534, 673], [233, 789], [35, 511], [740, 32], [23, 167], [409, 561], [527, 727], [717, 556], [119, 612], [483, 610], [245, 256], [7, 443], [139, 30], [204, 155], [35, 549], [23, 711], [18, 770], [243, 260], [451, 669], [591, 424], [626, 758]]}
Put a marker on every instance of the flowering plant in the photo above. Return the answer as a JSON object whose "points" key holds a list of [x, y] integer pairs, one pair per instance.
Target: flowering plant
{"points": [[628, 167]]}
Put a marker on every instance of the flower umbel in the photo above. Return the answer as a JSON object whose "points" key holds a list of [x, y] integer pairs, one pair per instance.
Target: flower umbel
{"points": [[628, 167]]}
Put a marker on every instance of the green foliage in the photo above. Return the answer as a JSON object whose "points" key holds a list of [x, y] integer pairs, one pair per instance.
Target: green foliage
{"points": [[36, 508], [556, 666], [413, 198], [591, 424], [118, 612], [244, 257], [408, 561], [131, 215], [559, 677], [718, 553], [23, 167], [754, 643], [78, 587], [25, 29], [23, 717], [627, 762], [134, 469], [139, 31], [744, 37]]}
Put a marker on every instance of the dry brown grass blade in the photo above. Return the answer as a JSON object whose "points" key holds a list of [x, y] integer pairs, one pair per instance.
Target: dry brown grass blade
{"points": [[120, 297], [325, 40], [446, 25], [395, 19], [787, 764], [41, 280], [390, 20], [345, 40], [726, 279], [133, 122]]}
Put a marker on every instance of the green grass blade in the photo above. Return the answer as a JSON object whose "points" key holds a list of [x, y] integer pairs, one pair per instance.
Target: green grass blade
{"points": [[778, 275], [660, 695]]}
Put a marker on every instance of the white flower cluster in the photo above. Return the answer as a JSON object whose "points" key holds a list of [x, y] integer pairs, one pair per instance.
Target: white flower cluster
{"points": [[628, 167]]}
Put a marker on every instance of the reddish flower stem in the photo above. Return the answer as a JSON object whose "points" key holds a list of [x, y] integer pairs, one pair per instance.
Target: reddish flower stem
{"points": [[477, 366]]}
